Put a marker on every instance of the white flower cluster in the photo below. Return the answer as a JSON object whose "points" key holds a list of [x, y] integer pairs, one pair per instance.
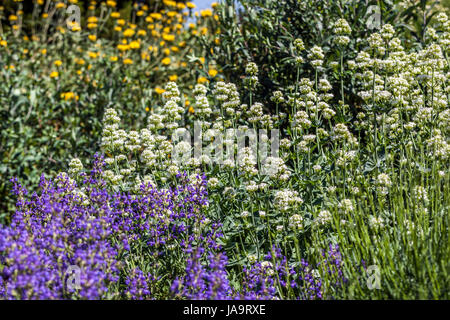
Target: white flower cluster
{"points": [[341, 30], [324, 217], [286, 200], [316, 56], [276, 169], [202, 108], [383, 184], [228, 95], [75, 166], [296, 222]]}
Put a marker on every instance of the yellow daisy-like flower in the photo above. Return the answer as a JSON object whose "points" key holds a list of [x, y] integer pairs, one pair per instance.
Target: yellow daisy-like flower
{"points": [[68, 96], [206, 13], [165, 61], [173, 77], [168, 37], [115, 15], [92, 55], [212, 72], [156, 15], [113, 59], [158, 90], [202, 80], [57, 63], [127, 61], [191, 110], [135, 45], [128, 32], [54, 74], [92, 37], [190, 5], [3, 43], [12, 17]]}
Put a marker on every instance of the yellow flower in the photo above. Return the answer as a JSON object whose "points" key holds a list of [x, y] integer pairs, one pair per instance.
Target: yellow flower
{"points": [[202, 60], [92, 55], [202, 80], [113, 58], [142, 33], [12, 18], [173, 77], [166, 51], [45, 15], [111, 3], [115, 15], [68, 96], [214, 5], [206, 13], [156, 15], [174, 49], [212, 72], [128, 33], [92, 19], [135, 45], [79, 61], [191, 110], [3, 43], [57, 63], [121, 22], [140, 13], [168, 37], [165, 61], [60, 5], [158, 90], [190, 5], [54, 74], [44, 51], [92, 37], [123, 47], [127, 61]]}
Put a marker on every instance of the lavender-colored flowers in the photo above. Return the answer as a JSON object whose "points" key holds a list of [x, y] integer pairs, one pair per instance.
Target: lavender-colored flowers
{"points": [[81, 240]]}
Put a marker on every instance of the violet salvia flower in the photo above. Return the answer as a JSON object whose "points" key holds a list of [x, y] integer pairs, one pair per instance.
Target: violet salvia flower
{"points": [[102, 235], [203, 281]]}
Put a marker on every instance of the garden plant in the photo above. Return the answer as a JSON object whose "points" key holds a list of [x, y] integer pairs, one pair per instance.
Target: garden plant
{"points": [[253, 150]]}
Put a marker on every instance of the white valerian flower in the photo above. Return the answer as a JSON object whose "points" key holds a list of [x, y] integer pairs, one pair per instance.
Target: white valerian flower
{"points": [[383, 183], [171, 92], [301, 120], [287, 199], [75, 166], [247, 161], [275, 168], [316, 56], [251, 69], [421, 194], [262, 214], [245, 214], [376, 222], [324, 217], [277, 97], [299, 45], [296, 222], [346, 206], [213, 182]]}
